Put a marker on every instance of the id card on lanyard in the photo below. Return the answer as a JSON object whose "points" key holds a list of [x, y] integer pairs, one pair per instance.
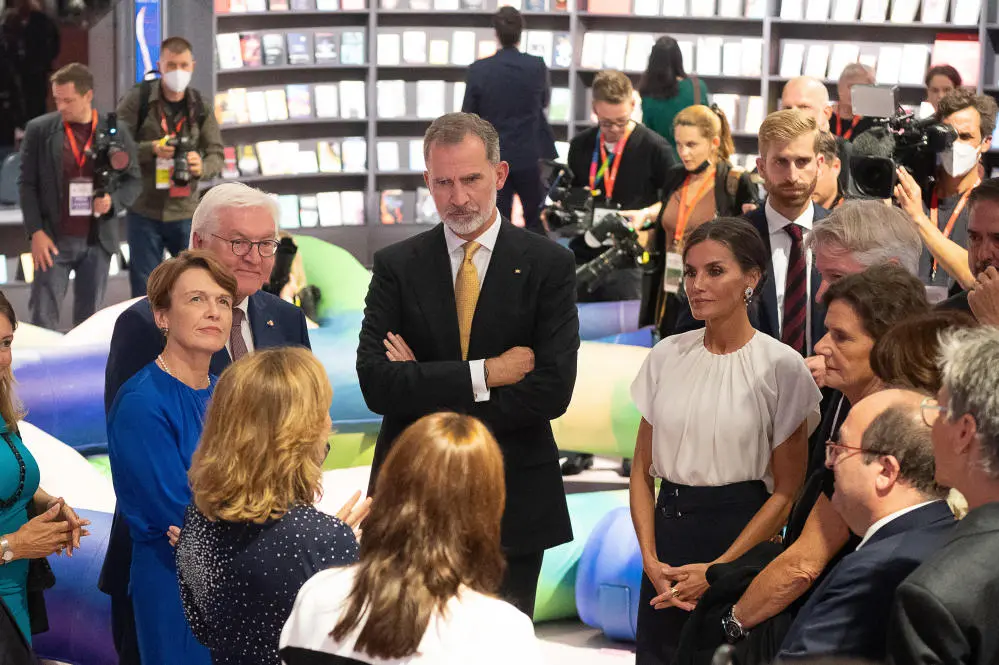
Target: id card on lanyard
{"points": [[601, 169], [164, 165], [80, 196], [674, 258], [934, 207]]}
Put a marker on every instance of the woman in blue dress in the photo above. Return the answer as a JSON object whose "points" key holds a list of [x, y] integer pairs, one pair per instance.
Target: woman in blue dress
{"points": [[154, 426], [57, 527]]}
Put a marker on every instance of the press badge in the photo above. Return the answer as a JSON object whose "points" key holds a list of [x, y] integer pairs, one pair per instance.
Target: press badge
{"points": [[81, 198], [674, 272], [164, 171]]}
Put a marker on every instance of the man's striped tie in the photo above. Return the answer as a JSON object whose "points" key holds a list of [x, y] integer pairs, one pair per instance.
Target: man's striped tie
{"points": [[795, 294]]}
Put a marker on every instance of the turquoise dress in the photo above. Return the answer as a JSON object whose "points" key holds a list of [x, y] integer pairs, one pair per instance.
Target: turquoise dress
{"points": [[14, 575], [154, 426]]}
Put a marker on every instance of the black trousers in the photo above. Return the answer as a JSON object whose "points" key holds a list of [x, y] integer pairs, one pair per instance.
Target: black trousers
{"points": [[126, 641], [525, 183], [520, 583], [693, 525]]}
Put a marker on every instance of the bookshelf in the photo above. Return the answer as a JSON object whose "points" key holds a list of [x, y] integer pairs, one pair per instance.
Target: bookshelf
{"points": [[766, 27]]}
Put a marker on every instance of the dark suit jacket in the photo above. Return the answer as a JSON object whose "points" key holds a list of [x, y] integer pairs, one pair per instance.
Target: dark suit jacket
{"points": [[763, 313], [510, 89], [43, 191], [947, 611], [135, 342], [527, 299], [846, 615], [958, 301]]}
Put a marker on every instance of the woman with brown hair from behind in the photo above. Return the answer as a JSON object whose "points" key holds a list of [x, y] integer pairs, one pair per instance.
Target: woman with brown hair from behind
{"points": [[430, 563]]}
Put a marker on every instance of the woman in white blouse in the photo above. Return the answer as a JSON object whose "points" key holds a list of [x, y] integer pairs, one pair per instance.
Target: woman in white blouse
{"points": [[726, 412], [430, 564]]}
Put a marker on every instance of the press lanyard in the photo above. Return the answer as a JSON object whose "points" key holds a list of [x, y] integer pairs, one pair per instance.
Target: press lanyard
{"points": [[849, 131], [80, 156], [163, 124], [947, 230], [600, 156], [686, 209]]}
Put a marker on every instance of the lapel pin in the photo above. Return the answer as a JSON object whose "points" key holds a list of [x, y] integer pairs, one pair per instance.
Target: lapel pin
{"points": [[270, 323]]}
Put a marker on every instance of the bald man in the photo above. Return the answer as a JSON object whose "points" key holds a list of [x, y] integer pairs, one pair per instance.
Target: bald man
{"points": [[811, 96]]}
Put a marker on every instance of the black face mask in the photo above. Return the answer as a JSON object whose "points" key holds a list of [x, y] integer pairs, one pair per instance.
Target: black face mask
{"points": [[702, 168]]}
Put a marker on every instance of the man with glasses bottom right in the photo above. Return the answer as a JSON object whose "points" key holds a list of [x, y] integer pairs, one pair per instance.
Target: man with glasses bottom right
{"points": [[948, 609], [239, 225]]}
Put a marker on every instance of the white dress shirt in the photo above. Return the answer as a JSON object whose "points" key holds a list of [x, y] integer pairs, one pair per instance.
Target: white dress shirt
{"points": [[874, 528], [780, 253], [244, 327], [456, 252]]}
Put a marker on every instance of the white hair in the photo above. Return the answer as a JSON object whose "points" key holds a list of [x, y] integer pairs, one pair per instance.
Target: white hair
{"points": [[872, 232], [230, 195]]}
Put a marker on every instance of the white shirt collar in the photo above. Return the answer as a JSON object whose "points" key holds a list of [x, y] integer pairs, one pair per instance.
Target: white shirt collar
{"points": [[245, 306], [777, 221], [487, 239], [874, 528]]}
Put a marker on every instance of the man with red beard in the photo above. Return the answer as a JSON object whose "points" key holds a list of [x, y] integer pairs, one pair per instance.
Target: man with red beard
{"points": [[789, 163]]}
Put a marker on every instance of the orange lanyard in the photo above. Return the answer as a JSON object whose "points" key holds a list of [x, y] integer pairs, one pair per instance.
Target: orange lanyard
{"points": [[947, 230], [685, 209], [609, 175], [163, 123], [849, 131], [80, 156]]}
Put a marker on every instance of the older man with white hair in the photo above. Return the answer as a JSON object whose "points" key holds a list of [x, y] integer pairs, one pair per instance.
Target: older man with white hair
{"points": [[239, 225]]}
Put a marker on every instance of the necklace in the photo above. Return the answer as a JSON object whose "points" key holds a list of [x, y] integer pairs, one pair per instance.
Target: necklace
{"points": [[166, 368], [21, 472]]}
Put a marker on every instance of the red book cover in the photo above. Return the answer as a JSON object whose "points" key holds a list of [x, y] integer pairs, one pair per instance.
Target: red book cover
{"points": [[960, 51], [609, 6]]}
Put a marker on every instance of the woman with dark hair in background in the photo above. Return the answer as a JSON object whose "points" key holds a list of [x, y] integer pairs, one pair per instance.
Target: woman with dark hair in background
{"points": [[940, 80], [666, 89], [424, 591], [726, 413], [703, 187]]}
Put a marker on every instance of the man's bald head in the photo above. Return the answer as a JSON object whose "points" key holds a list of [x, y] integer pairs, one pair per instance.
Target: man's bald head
{"points": [[810, 95]]}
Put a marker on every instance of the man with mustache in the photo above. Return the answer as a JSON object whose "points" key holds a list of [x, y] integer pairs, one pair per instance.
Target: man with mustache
{"points": [[789, 163], [982, 299], [478, 317]]}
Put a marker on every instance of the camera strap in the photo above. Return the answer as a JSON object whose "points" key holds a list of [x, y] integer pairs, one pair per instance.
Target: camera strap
{"points": [[947, 230], [80, 156], [609, 175]]}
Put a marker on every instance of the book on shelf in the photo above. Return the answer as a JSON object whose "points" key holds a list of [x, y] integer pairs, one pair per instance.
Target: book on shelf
{"points": [[229, 168], [352, 104], [426, 209], [873, 11], [300, 48], [562, 55], [845, 10], [842, 55], [430, 99], [966, 12], [239, 105], [278, 5], [389, 48], [752, 56], [889, 65], [755, 112], [729, 105], [646, 8], [730, 8], [934, 11], [817, 61], [486, 48], [329, 157], [709, 56], [474, 5], [389, 4], [352, 208], [353, 5], [420, 5], [462, 47], [414, 47], [817, 10], [328, 5], [592, 56], [439, 50], [277, 104], [702, 8], [303, 5], [541, 43], [387, 155], [299, 101], [416, 160], [329, 209], [869, 58], [560, 108], [686, 54], [458, 96], [275, 53], [269, 154], [229, 6], [326, 48], [915, 58], [791, 59], [904, 11], [288, 208], [447, 5], [516, 4], [391, 98], [536, 6], [615, 50], [639, 46], [250, 49], [756, 8], [390, 207], [327, 100], [963, 52], [352, 47], [256, 103], [224, 112], [732, 58], [354, 153], [792, 10], [675, 7], [247, 161], [308, 211], [608, 7]]}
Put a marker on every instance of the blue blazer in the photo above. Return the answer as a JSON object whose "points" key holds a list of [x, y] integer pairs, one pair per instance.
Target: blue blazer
{"points": [[135, 342], [848, 613], [763, 314]]}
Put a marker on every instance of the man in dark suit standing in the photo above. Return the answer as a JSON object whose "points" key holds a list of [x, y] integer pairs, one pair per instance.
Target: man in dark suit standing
{"points": [[239, 225], [479, 317], [512, 90], [885, 492], [947, 611], [789, 164]]}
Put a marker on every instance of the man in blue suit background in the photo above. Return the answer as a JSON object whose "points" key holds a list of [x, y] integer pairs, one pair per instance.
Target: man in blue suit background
{"points": [[239, 225], [886, 493], [512, 91]]}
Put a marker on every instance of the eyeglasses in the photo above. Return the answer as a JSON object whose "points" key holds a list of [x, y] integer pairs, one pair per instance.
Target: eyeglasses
{"points": [[242, 246], [931, 410], [613, 124], [834, 450]]}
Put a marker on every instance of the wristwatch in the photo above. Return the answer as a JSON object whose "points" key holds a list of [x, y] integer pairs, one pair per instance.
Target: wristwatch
{"points": [[6, 554], [732, 627]]}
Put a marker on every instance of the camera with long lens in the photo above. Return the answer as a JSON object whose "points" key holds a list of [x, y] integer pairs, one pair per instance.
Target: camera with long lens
{"points": [[898, 139], [572, 213], [181, 145], [109, 157]]}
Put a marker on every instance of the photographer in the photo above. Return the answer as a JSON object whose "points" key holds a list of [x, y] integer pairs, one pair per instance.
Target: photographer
{"points": [[70, 196], [829, 191], [941, 212], [179, 144], [627, 164]]}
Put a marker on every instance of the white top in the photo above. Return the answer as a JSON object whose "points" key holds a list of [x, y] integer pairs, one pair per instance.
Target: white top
{"points": [[780, 256], [474, 628], [874, 528], [456, 252], [244, 328], [716, 419]]}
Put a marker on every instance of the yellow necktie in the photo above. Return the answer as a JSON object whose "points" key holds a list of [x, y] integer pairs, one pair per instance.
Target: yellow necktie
{"points": [[466, 294]]}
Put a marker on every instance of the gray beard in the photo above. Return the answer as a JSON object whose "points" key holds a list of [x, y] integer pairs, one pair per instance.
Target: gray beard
{"points": [[465, 227]]}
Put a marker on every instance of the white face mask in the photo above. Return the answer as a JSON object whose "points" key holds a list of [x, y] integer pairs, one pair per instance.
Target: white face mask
{"points": [[959, 159], [177, 80]]}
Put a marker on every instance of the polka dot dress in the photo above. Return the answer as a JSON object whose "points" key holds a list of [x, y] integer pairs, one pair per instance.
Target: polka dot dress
{"points": [[239, 581]]}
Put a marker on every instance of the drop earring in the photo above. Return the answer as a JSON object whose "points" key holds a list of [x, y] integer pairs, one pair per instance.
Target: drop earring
{"points": [[748, 294]]}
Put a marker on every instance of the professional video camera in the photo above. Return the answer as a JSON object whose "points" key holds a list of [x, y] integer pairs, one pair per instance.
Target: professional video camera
{"points": [[181, 145], [572, 213], [109, 157], [899, 139]]}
